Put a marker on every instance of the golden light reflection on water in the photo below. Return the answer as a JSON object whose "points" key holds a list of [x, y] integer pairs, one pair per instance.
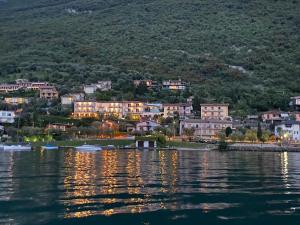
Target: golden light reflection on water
{"points": [[92, 174], [284, 168], [79, 183]]}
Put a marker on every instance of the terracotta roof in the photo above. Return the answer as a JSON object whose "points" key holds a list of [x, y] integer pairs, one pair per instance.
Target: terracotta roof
{"points": [[214, 104]]}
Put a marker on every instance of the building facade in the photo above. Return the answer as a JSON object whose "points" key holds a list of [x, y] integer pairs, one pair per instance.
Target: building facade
{"points": [[152, 110], [295, 101], [48, 92], [104, 85], [147, 126], [214, 111], [22, 84], [71, 98], [288, 130], [120, 109], [7, 116], [149, 83], [58, 126], [183, 110], [16, 100], [174, 85], [274, 116], [205, 129], [89, 89], [9, 87]]}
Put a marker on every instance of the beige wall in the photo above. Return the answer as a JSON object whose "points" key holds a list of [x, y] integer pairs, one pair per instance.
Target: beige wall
{"points": [[214, 111]]}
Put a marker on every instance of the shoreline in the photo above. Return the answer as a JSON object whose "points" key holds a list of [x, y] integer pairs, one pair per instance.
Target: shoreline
{"points": [[261, 148]]}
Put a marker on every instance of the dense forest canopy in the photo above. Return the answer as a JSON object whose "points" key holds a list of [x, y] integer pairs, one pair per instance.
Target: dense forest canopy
{"points": [[244, 52]]}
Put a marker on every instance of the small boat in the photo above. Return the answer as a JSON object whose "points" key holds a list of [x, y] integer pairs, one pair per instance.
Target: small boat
{"points": [[17, 147], [49, 147], [88, 148]]}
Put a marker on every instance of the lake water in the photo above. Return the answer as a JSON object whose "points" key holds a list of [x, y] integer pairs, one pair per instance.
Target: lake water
{"points": [[148, 187]]}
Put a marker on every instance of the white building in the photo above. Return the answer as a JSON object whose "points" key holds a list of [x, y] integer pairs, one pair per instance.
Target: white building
{"points": [[89, 89], [147, 126], [71, 98], [7, 116], [101, 85], [295, 101], [174, 85], [104, 85], [289, 130]]}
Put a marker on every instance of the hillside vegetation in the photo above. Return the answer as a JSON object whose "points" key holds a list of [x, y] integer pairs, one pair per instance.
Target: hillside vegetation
{"points": [[244, 52]]}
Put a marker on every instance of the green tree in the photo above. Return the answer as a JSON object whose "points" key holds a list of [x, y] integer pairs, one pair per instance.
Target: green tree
{"points": [[189, 132], [259, 132], [265, 136], [251, 135], [228, 131], [222, 141]]}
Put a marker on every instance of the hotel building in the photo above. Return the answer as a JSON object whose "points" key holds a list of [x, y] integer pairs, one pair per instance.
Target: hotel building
{"points": [[205, 129], [182, 109], [214, 111]]}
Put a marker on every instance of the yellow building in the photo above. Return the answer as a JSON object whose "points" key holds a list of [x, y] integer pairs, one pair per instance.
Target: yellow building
{"points": [[83, 109], [16, 100]]}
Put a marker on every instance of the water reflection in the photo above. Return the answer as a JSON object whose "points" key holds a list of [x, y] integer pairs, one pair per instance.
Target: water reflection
{"points": [[72, 184], [284, 169]]}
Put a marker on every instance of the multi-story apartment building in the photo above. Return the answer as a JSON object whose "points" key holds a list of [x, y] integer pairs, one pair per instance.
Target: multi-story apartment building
{"points": [[48, 92], [118, 109], [184, 110], [85, 109], [16, 100], [205, 129], [133, 109], [214, 111], [274, 116], [22, 84], [174, 85]]}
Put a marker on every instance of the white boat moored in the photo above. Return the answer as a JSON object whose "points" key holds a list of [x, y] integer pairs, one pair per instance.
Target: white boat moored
{"points": [[17, 147], [49, 147], [88, 148]]}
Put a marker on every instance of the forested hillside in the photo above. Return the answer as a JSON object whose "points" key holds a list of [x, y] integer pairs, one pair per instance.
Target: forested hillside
{"points": [[244, 52]]}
